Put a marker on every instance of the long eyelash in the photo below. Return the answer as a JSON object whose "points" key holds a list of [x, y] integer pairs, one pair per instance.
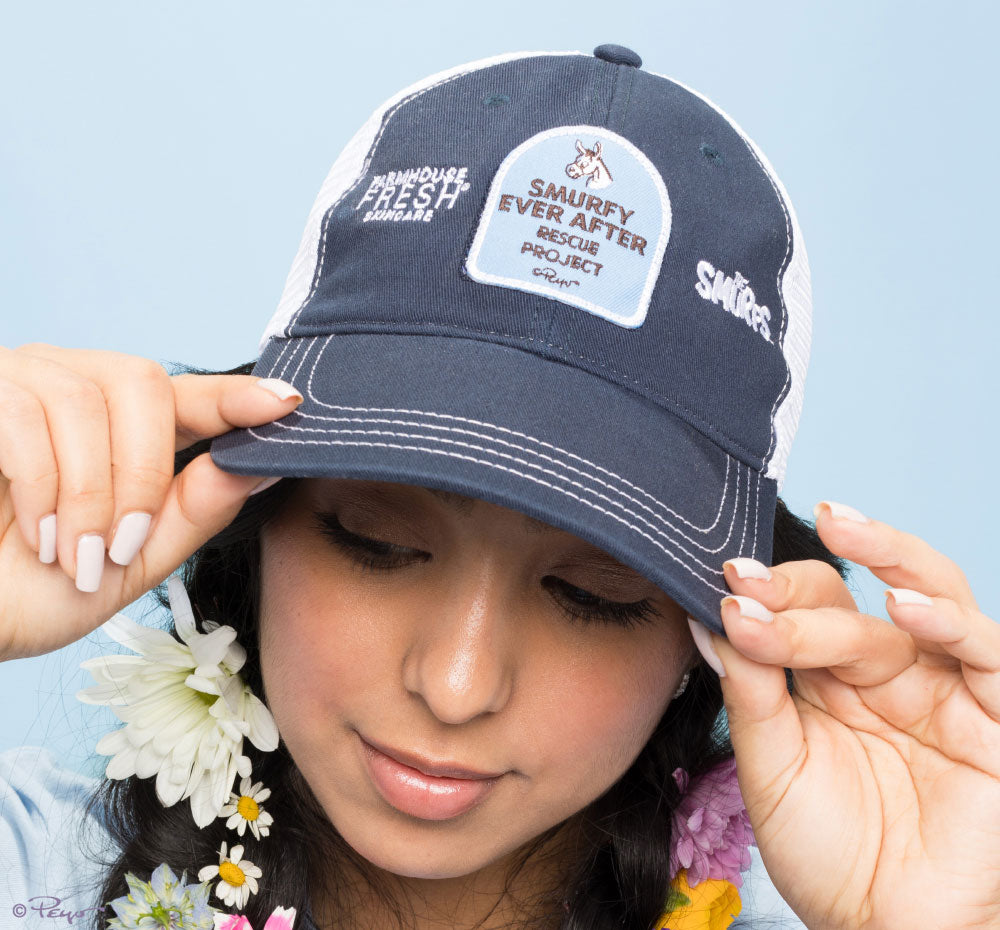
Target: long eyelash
{"points": [[601, 610], [370, 555], [374, 555]]}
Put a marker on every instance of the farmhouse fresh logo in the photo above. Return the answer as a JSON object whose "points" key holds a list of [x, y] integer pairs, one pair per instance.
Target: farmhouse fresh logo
{"points": [[413, 193]]}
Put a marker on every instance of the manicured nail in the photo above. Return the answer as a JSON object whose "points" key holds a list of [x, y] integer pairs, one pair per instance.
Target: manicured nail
{"points": [[47, 539], [908, 596], [749, 568], [265, 484], [129, 537], [749, 608], [89, 562], [280, 389], [703, 640], [840, 512]]}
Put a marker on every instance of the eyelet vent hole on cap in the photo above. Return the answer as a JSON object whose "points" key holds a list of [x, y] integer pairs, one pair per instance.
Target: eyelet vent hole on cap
{"points": [[711, 153], [495, 100]]}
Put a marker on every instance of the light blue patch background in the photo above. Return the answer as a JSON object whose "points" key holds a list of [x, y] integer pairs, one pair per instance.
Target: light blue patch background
{"points": [[618, 290]]}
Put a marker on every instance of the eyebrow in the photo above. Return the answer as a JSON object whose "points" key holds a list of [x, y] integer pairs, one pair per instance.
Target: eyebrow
{"points": [[462, 504]]}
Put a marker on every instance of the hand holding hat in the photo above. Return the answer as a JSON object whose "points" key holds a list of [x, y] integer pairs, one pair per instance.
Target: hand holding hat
{"points": [[91, 514], [873, 789]]}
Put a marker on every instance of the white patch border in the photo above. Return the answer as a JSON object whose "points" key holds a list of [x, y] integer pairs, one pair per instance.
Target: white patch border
{"points": [[637, 318]]}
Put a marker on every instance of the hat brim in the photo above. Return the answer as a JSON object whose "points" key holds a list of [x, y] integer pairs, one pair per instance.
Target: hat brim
{"points": [[522, 431]]}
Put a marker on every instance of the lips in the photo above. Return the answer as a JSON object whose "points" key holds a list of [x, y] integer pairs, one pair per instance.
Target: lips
{"points": [[424, 789]]}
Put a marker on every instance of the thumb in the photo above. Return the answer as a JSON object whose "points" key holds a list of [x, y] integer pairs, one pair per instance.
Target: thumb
{"points": [[764, 724], [201, 501]]}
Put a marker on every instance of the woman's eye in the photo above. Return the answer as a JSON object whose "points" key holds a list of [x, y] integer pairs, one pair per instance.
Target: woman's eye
{"points": [[369, 554], [580, 605]]}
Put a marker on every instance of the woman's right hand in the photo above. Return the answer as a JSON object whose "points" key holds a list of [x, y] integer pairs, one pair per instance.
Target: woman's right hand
{"points": [[90, 436]]}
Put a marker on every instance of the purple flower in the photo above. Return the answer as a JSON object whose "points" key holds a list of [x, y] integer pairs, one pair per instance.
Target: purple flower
{"points": [[711, 832]]}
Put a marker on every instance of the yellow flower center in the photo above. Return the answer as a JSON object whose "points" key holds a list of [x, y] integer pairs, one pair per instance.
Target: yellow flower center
{"points": [[247, 808], [231, 873]]}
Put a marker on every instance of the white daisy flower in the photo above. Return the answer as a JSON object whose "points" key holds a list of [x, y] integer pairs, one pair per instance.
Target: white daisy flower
{"points": [[185, 708], [238, 877], [244, 808]]}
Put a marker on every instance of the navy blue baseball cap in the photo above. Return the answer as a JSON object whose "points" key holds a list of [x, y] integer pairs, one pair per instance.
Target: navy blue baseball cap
{"points": [[563, 284]]}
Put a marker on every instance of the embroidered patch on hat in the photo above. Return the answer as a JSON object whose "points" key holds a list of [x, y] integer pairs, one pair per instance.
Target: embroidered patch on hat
{"points": [[579, 214]]}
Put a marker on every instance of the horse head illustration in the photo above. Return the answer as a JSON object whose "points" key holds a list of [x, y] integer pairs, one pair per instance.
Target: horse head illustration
{"points": [[589, 164]]}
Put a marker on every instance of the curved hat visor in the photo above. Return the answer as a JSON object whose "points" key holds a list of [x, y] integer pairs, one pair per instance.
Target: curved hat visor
{"points": [[521, 431]]}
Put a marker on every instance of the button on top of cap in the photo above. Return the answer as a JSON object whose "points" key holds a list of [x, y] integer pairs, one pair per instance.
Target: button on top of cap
{"points": [[618, 55]]}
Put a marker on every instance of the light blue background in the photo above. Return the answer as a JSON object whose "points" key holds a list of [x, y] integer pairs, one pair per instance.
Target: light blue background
{"points": [[158, 161]]}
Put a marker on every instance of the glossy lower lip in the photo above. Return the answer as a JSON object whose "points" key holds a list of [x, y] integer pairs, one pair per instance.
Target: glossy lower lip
{"points": [[429, 797]]}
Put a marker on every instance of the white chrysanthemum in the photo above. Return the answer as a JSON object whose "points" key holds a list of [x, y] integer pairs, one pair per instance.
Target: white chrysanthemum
{"points": [[185, 708], [244, 808], [238, 877], [163, 903]]}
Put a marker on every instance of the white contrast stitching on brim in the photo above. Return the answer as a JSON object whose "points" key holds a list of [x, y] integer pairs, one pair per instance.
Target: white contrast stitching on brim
{"points": [[307, 345], [434, 438], [466, 445], [403, 446]]}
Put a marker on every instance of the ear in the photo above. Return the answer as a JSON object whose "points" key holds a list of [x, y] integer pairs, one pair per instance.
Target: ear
{"points": [[597, 149], [580, 148]]}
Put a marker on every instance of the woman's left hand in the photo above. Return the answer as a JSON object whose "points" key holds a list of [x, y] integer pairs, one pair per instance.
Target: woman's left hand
{"points": [[874, 789]]}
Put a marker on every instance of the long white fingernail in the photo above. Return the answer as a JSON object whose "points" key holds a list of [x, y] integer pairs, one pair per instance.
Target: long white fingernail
{"points": [[47, 539], [841, 512], [265, 484], [280, 389], [703, 640], [749, 568], [750, 608], [89, 562], [908, 596], [129, 537]]}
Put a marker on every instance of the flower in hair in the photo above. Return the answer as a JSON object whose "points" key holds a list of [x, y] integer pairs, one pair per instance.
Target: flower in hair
{"points": [[711, 904], [244, 808], [711, 832], [163, 903], [237, 877], [282, 918], [185, 708]]}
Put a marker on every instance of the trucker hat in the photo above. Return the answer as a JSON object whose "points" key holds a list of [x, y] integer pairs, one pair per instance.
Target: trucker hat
{"points": [[561, 283]]}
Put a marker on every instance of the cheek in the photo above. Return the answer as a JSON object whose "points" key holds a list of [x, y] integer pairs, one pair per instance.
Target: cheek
{"points": [[318, 643], [600, 711]]}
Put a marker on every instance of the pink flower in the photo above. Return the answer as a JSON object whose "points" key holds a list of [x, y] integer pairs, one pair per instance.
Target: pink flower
{"points": [[281, 918], [711, 832]]}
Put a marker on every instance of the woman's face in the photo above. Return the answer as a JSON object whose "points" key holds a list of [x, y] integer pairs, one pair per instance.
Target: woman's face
{"points": [[448, 707]]}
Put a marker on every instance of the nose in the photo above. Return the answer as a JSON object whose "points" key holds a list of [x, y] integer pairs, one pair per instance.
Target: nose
{"points": [[461, 661]]}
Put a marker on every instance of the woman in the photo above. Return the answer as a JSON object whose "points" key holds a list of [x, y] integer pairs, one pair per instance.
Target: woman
{"points": [[462, 742]]}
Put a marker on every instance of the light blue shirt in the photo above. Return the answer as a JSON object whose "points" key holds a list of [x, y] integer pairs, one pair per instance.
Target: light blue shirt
{"points": [[50, 854]]}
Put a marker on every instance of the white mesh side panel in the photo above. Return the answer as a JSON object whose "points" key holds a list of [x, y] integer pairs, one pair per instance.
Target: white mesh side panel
{"points": [[796, 292], [349, 167]]}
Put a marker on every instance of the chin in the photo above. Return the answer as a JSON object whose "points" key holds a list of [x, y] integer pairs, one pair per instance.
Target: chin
{"points": [[414, 857]]}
